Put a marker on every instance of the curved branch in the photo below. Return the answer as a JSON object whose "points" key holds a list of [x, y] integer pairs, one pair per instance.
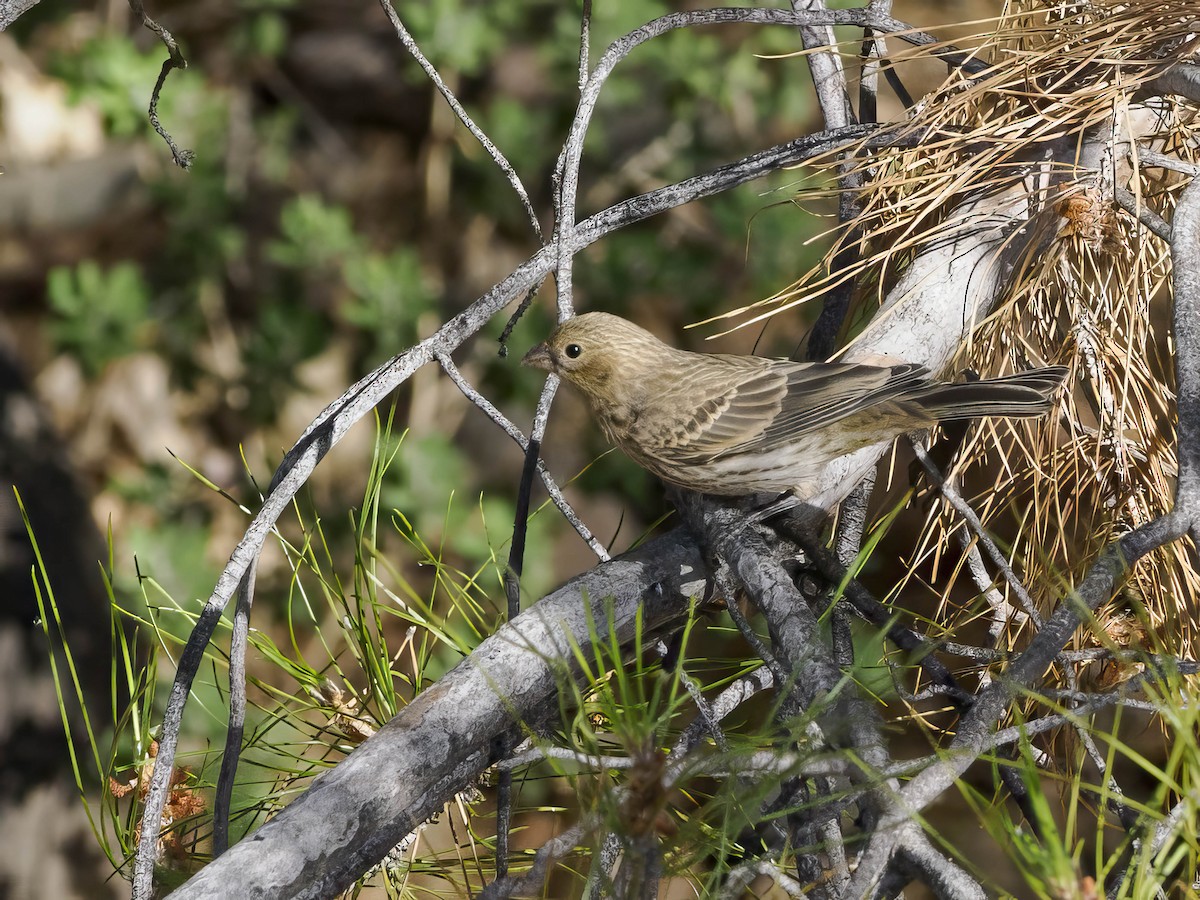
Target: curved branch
{"points": [[174, 60], [351, 815], [552, 488]]}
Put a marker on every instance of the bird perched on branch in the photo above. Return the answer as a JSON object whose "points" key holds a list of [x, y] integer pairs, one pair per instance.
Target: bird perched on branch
{"points": [[733, 425]]}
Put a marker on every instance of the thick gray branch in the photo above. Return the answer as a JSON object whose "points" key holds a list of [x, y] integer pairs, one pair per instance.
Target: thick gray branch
{"points": [[829, 78], [1185, 284], [948, 289], [353, 814], [11, 10], [1182, 79]]}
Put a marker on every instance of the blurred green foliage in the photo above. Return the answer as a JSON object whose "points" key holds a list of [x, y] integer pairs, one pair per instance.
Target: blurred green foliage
{"points": [[111, 72], [385, 293], [99, 315], [264, 30], [216, 221], [388, 293], [314, 235], [464, 36]]}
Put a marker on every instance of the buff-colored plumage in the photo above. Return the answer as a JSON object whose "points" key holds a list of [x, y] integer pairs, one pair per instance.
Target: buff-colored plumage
{"points": [[725, 424]]}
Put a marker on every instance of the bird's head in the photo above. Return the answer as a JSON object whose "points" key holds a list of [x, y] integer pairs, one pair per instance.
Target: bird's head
{"points": [[598, 353]]}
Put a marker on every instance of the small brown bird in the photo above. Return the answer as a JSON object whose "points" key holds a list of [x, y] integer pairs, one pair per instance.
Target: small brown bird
{"points": [[725, 424]]}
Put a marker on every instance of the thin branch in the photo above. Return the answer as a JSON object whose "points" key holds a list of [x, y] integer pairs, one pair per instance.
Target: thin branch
{"points": [[955, 499], [1003, 612], [1144, 214], [725, 703], [491, 149], [517, 549], [873, 50], [945, 879], [600, 876], [1022, 674], [512, 591], [174, 60], [740, 876], [851, 525], [828, 74], [564, 754], [707, 715], [1183, 811], [531, 882], [725, 586], [982, 655], [1114, 795], [833, 96], [1171, 163], [152, 809], [552, 488], [239, 636], [585, 40]]}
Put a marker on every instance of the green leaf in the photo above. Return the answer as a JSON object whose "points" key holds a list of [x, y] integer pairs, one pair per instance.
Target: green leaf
{"points": [[99, 315], [315, 234]]}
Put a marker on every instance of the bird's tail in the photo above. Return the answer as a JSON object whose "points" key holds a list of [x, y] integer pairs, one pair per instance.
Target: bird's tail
{"points": [[1018, 396]]}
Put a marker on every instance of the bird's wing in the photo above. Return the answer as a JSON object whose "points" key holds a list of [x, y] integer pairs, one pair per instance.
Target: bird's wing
{"points": [[758, 408]]}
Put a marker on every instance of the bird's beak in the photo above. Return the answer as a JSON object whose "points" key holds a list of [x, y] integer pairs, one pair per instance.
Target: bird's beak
{"points": [[539, 358]]}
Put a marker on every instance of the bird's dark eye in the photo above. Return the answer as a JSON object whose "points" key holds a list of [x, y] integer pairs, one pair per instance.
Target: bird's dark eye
{"points": [[573, 350]]}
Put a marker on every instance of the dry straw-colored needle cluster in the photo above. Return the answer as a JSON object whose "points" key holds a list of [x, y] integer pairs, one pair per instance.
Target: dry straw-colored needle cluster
{"points": [[1062, 113]]}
